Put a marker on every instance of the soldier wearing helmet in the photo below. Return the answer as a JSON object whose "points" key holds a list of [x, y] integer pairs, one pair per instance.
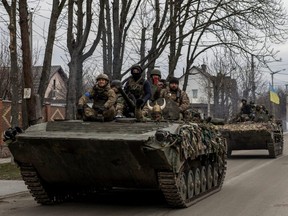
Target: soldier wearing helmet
{"points": [[103, 98], [120, 101], [156, 84], [137, 87]]}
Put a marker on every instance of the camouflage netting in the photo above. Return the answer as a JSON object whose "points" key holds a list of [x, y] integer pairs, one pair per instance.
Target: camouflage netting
{"points": [[248, 126], [201, 138]]}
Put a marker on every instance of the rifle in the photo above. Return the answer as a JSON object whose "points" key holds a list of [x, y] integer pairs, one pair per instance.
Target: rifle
{"points": [[128, 100]]}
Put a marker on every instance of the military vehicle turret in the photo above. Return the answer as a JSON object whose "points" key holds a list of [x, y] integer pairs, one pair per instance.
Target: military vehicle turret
{"points": [[60, 159]]}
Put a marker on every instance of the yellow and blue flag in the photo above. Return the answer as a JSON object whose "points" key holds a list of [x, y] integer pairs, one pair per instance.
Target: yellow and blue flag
{"points": [[273, 95]]}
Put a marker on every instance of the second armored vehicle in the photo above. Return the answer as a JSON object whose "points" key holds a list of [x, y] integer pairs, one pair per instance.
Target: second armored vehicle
{"points": [[251, 135]]}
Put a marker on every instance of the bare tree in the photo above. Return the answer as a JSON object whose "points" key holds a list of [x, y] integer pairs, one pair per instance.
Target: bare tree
{"points": [[76, 42], [11, 11], [236, 26], [56, 11], [114, 44], [30, 102]]}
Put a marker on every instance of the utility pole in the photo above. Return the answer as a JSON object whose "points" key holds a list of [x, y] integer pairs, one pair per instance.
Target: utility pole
{"points": [[253, 78], [30, 17], [286, 125], [29, 110]]}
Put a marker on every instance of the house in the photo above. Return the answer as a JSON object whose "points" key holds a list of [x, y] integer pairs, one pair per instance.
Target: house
{"points": [[55, 92], [57, 87], [214, 96], [198, 89]]}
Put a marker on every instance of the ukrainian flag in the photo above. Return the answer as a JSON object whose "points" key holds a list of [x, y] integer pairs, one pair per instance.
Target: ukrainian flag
{"points": [[273, 95]]}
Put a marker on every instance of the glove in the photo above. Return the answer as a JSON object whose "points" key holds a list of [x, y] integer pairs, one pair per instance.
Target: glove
{"points": [[139, 102]]}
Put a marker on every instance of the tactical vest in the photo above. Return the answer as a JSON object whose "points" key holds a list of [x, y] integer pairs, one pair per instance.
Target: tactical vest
{"points": [[135, 87], [175, 96], [100, 95]]}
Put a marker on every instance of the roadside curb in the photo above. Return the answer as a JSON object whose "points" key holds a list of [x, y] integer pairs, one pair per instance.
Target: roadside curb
{"points": [[14, 194]]}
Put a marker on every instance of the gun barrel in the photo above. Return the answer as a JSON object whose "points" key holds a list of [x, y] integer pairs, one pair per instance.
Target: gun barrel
{"points": [[129, 102]]}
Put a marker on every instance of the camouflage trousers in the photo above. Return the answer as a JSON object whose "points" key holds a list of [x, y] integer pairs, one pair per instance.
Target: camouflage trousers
{"points": [[90, 113]]}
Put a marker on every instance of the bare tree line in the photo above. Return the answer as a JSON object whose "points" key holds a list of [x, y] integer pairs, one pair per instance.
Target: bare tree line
{"points": [[178, 33]]}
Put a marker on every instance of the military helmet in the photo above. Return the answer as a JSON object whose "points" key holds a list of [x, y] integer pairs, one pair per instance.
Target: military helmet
{"points": [[103, 76], [137, 66], [116, 83], [155, 72]]}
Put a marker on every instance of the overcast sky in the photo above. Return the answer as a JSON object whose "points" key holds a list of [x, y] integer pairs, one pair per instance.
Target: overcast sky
{"points": [[41, 19]]}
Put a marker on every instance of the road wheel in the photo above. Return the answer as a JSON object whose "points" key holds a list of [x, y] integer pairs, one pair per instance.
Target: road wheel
{"points": [[209, 177], [197, 187], [203, 179], [190, 184]]}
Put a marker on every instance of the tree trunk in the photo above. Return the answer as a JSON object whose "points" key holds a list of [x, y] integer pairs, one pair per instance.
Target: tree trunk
{"points": [[14, 76], [44, 81], [27, 64], [72, 91]]}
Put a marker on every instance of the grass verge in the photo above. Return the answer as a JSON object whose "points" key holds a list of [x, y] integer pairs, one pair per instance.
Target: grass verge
{"points": [[9, 171]]}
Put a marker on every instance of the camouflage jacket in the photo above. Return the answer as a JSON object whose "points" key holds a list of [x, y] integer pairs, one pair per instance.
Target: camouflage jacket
{"points": [[138, 89], [102, 97], [155, 90], [180, 97]]}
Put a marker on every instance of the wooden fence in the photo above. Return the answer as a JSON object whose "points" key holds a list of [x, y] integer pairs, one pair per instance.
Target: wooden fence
{"points": [[49, 113]]}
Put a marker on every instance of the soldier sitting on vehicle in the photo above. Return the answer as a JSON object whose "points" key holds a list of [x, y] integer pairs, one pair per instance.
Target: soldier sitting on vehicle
{"points": [[103, 98], [174, 93], [245, 112], [138, 89], [246, 108], [120, 104], [258, 114]]}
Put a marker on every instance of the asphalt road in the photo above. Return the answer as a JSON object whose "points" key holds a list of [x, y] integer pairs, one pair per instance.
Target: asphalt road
{"points": [[254, 185]]}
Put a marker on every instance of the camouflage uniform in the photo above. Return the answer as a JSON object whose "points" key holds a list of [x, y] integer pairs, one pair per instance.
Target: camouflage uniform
{"points": [[179, 96], [103, 103], [154, 84], [120, 101], [155, 77], [137, 88]]}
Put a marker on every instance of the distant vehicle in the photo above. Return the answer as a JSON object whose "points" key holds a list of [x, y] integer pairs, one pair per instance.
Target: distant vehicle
{"points": [[251, 135]]}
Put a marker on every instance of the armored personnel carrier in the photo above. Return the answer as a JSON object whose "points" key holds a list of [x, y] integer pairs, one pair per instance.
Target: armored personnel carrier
{"points": [[61, 159], [251, 135]]}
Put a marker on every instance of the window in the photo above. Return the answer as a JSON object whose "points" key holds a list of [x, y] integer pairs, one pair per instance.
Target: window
{"points": [[194, 93]]}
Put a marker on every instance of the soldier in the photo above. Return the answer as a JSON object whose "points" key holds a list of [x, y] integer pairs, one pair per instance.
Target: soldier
{"points": [[156, 84], [137, 88], [120, 101], [174, 93], [246, 108], [156, 87], [103, 98]]}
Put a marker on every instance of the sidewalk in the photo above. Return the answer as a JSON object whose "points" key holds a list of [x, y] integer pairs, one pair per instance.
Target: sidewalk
{"points": [[11, 187]]}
